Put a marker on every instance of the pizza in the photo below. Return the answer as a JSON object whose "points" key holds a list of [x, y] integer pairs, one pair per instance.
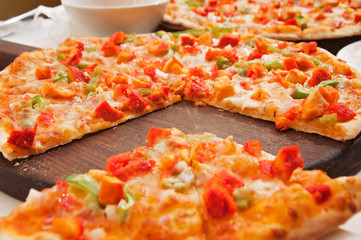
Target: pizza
{"points": [[194, 186], [50, 97], [280, 19]]}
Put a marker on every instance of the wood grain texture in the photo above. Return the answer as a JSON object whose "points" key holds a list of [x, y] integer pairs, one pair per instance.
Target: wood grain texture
{"points": [[79, 156]]}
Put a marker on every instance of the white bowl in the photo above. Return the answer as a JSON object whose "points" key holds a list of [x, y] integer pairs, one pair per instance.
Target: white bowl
{"points": [[101, 18]]}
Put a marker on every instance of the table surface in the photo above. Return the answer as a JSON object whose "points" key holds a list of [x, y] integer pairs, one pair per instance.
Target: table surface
{"points": [[138, 128]]}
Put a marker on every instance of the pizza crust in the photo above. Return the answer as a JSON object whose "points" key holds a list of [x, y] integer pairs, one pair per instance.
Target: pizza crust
{"points": [[312, 33], [329, 219]]}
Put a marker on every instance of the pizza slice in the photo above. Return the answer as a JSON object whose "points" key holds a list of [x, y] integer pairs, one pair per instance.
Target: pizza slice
{"points": [[194, 186], [50, 97], [295, 85], [288, 20]]}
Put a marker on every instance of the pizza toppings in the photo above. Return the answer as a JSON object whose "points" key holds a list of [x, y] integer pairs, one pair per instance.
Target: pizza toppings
{"points": [[107, 112], [287, 160], [254, 148], [124, 168], [111, 190], [22, 138], [38, 102], [320, 192], [70, 228], [43, 73], [77, 75], [46, 118], [218, 194], [318, 75], [343, 112]]}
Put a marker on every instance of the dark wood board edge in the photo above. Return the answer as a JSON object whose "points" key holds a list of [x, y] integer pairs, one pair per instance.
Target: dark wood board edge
{"points": [[9, 51], [43, 170]]}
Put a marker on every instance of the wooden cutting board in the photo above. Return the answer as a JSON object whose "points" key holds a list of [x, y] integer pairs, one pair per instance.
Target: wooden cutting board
{"points": [[40, 171]]}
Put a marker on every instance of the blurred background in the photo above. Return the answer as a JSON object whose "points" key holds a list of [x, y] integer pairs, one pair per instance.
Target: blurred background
{"points": [[12, 8]]}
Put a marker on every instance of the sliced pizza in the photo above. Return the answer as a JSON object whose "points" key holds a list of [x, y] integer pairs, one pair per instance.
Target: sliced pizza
{"points": [[53, 96], [195, 186]]}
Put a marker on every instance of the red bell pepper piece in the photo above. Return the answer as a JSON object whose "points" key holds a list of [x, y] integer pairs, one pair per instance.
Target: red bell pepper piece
{"points": [[196, 71], [320, 192], [287, 160], [188, 40], [107, 112], [150, 71], [137, 102], [319, 75], [124, 168], [157, 134], [22, 138], [197, 90], [73, 60], [267, 168], [218, 194], [228, 39], [117, 37], [253, 147], [344, 113], [46, 118], [110, 49], [310, 47], [254, 56], [291, 21], [77, 75], [118, 161]]}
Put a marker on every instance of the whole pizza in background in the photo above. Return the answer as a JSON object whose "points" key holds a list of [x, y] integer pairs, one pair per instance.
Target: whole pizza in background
{"points": [[280, 19]]}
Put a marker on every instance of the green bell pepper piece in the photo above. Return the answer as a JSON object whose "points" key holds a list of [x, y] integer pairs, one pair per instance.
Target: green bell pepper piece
{"points": [[253, 61], [145, 91], [91, 86], [243, 198], [302, 92], [243, 72], [82, 65], [123, 206], [92, 49], [333, 83], [60, 75], [217, 32], [130, 37], [193, 32], [84, 182], [223, 63], [60, 56], [273, 64], [38, 102], [284, 52], [301, 21], [191, 3], [318, 63], [328, 118]]}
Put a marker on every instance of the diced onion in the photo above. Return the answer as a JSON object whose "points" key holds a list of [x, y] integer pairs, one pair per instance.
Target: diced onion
{"points": [[161, 74]]}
